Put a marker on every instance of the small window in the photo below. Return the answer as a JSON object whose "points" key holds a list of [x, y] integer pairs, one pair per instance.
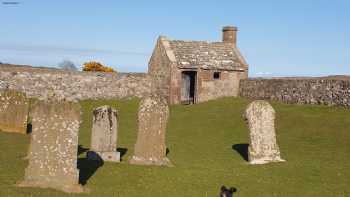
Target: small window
{"points": [[216, 75]]}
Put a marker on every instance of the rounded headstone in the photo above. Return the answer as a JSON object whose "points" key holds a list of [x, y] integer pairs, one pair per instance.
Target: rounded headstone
{"points": [[263, 146]]}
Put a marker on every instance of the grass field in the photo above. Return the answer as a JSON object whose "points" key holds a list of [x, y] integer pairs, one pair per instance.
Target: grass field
{"points": [[202, 141]]}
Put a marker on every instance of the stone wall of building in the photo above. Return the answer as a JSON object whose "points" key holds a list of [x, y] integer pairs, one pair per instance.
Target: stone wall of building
{"points": [[210, 88], [326, 91], [207, 88], [159, 68], [72, 85]]}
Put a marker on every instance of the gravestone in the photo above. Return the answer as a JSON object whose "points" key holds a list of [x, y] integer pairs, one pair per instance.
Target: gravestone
{"points": [[14, 108], [263, 146], [104, 134], [150, 148], [53, 148]]}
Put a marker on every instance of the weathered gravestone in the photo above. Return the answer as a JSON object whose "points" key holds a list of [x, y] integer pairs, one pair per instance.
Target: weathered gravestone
{"points": [[263, 147], [53, 148], [150, 148], [14, 108], [104, 134]]}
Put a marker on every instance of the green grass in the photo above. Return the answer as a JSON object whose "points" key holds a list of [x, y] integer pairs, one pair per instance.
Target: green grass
{"points": [[315, 141]]}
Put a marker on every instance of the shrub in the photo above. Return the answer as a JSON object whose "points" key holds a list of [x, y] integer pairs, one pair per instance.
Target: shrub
{"points": [[96, 67]]}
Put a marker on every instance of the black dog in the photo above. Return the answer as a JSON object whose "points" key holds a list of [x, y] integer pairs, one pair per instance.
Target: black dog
{"points": [[227, 192]]}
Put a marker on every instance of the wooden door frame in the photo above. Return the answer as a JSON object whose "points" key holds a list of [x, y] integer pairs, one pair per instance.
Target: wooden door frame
{"points": [[195, 81]]}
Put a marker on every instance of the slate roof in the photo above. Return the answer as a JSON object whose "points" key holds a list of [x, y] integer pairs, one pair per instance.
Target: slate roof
{"points": [[207, 55]]}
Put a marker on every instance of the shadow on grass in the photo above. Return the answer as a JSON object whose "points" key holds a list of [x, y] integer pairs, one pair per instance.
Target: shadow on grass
{"points": [[88, 167], [242, 149], [122, 151], [29, 128]]}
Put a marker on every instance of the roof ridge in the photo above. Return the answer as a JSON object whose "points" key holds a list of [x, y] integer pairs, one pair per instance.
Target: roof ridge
{"points": [[202, 41]]}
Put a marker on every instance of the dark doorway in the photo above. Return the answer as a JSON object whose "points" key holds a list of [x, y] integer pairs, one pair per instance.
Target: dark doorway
{"points": [[188, 87]]}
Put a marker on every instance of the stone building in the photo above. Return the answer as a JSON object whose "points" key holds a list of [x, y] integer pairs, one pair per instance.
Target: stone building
{"points": [[195, 71]]}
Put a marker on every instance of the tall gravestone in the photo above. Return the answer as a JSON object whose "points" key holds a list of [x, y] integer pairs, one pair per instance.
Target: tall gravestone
{"points": [[14, 108], [104, 134], [150, 148], [263, 146], [53, 148]]}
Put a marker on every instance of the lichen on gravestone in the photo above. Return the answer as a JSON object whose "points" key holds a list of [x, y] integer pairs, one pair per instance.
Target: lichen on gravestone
{"points": [[263, 147], [150, 147], [104, 134], [53, 147], [14, 107]]}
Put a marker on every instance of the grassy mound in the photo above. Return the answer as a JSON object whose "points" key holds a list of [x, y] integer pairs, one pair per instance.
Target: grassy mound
{"points": [[207, 144]]}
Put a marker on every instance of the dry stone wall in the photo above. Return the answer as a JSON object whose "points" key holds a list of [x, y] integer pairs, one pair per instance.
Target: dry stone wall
{"points": [[43, 83], [324, 91]]}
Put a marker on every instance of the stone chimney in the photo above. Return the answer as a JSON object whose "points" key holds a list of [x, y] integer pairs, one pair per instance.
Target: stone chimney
{"points": [[229, 35]]}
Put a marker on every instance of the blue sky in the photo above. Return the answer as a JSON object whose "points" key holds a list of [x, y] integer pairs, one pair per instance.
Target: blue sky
{"points": [[277, 38]]}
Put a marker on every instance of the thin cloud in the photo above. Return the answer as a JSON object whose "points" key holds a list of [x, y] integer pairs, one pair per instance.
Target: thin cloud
{"points": [[10, 2], [66, 49], [263, 74]]}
